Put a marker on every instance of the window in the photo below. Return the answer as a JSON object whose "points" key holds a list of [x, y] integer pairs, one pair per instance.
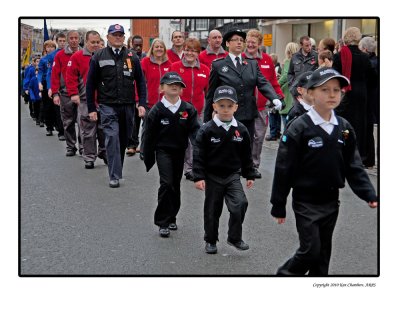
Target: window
{"points": [[201, 24], [220, 22]]}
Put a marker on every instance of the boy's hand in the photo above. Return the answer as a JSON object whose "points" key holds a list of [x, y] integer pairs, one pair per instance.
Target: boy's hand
{"points": [[200, 185], [280, 220], [249, 183], [373, 204]]}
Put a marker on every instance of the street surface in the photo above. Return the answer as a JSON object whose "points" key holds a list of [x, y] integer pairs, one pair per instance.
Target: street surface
{"points": [[73, 223]]}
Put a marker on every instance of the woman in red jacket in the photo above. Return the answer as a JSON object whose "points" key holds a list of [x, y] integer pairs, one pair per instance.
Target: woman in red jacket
{"points": [[154, 67], [195, 75], [267, 68]]}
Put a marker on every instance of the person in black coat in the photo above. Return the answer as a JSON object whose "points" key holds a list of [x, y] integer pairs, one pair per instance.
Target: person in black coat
{"points": [[317, 153], [355, 65], [168, 126], [221, 154], [368, 45], [244, 76]]}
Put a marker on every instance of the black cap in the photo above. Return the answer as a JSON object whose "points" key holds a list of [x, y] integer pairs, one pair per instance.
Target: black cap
{"points": [[231, 33], [172, 77], [225, 92], [300, 81], [323, 74]]}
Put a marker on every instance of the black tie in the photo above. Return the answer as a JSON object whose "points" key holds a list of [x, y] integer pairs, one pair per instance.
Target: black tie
{"points": [[238, 65], [116, 52]]}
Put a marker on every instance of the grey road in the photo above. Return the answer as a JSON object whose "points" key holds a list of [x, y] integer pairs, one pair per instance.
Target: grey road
{"points": [[72, 223]]}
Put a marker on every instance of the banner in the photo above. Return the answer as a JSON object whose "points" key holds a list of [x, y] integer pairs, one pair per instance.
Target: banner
{"points": [[27, 55]]}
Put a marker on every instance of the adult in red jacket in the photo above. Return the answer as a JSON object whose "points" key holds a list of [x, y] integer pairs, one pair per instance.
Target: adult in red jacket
{"points": [[69, 110], [76, 74], [214, 49], [267, 68], [175, 54], [154, 66], [195, 76]]}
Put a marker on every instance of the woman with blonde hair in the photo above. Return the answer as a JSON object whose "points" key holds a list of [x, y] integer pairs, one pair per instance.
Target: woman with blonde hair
{"points": [[356, 66], [291, 48]]}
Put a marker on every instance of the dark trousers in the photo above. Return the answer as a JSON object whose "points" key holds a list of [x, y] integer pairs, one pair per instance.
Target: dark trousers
{"points": [[315, 224], [38, 111], [117, 124], [369, 160], [250, 125], [170, 168], [218, 189], [274, 124], [133, 142]]}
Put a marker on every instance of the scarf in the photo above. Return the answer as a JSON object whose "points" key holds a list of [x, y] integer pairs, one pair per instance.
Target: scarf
{"points": [[346, 58]]}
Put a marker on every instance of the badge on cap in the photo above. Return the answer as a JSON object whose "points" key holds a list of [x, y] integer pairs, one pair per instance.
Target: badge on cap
{"points": [[117, 27]]}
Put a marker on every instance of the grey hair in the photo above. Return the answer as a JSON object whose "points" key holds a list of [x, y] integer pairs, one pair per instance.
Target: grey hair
{"points": [[368, 43]]}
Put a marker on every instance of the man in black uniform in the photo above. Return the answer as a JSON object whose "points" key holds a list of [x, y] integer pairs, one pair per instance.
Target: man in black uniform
{"points": [[112, 73], [244, 76]]}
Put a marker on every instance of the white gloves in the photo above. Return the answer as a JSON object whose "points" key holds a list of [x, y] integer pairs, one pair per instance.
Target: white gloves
{"points": [[277, 104]]}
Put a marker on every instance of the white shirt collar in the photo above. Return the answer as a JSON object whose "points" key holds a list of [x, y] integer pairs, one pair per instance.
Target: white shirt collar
{"points": [[318, 120], [305, 105], [220, 123], [233, 57], [172, 107]]}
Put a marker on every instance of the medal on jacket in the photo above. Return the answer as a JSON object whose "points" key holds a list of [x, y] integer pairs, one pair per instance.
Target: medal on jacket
{"points": [[129, 63]]}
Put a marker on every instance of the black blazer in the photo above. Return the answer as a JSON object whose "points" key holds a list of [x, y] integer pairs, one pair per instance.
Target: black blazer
{"points": [[224, 72]]}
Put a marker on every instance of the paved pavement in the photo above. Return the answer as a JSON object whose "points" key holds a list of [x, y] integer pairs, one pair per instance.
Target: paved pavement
{"points": [[72, 223]]}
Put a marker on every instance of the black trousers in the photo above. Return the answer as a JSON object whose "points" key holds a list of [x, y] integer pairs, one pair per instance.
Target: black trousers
{"points": [[218, 189], [170, 168], [315, 224], [250, 125], [133, 142]]}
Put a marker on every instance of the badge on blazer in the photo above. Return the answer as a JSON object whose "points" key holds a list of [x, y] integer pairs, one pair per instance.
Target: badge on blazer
{"points": [[224, 69], [316, 142]]}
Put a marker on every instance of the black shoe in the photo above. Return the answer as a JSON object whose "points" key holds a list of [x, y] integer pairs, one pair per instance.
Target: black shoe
{"points": [[270, 138], [141, 156], [61, 138], [211, 248], [257, 174], [189, 176], [41, 125], [49, 133], [240, 245], [114, 183], [163, 231], [70, 153], [104, 159], [173, 226], [89, 164]]}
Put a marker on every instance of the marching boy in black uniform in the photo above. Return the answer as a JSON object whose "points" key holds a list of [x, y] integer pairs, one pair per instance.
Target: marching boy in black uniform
{"points": [[316, 154], [302, 101], [168, 125], [222, 152]]}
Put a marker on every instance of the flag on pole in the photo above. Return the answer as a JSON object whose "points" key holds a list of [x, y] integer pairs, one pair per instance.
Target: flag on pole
{"points": [[46, 32], [27, 55]]}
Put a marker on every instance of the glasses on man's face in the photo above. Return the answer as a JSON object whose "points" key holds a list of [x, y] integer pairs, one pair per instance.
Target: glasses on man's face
{"points": [[237, 39], [190, 51]]}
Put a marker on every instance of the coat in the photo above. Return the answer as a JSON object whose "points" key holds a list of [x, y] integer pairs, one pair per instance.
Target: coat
{"points": [[353, 106], [224, 72]]}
